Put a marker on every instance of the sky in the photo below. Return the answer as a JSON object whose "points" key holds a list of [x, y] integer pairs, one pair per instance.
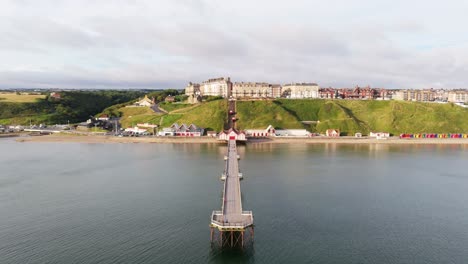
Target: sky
{"points": [[167, 43]]}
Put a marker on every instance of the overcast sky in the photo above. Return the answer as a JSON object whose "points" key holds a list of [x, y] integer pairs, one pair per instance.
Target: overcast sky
{"points": [[166, 44]]}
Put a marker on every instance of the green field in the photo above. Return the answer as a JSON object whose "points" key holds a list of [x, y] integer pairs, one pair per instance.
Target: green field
{"points": [[20, 98]]}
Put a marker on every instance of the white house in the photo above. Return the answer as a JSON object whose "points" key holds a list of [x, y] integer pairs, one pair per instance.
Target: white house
{"points": [[145, 102], [379, 135], [147, 125], [211, 133], [270, 131], [182, 131], [103, 117], [136, 130], [292, 133], [301, 90], [332, 133], [167, 131], [232, 134]]}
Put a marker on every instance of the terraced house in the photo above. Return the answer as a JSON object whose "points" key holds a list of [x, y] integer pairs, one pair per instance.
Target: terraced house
{"points": [[216, 87], [301, 90], [415, 95], [458, 96], [257, 90], [252, 90], [182, 130]]}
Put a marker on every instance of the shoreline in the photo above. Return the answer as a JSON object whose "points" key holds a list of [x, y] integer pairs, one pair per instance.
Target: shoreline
{"points": [[198, 140], [9, 135]]}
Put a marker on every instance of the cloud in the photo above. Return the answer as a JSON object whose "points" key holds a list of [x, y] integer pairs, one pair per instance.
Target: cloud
{"points": [[162, 44]]}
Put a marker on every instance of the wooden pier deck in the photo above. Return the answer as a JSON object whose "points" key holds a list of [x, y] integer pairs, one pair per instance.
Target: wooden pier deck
{"points": [[232, 218]]}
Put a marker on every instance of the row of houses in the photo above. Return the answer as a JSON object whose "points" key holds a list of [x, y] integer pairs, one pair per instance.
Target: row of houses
{"points": [[182, 130], [270, 131], [434, 135], [357, 92], [223, 87], [194, 131], [291, 133], [261, 90], [432, 95], [458, 96]]}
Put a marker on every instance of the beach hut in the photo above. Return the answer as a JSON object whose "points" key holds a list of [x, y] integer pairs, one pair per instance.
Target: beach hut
{"points": [[332, 132]]}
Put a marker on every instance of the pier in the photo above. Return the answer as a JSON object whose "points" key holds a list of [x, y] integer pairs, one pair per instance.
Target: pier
{"points": [[230, 225]]}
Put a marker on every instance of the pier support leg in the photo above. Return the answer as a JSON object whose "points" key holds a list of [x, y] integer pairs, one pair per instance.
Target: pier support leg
{"points": [[232, 239], [252, 233], [242, 240], [221, 236]]}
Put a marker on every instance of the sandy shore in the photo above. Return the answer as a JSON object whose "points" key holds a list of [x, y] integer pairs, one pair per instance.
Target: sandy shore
{"points": [[6, 135], [316, 140], [113, 139], [352, 140]]}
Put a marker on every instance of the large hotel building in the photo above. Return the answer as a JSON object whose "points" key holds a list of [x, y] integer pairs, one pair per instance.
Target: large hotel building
{"points": [[225, 88]]}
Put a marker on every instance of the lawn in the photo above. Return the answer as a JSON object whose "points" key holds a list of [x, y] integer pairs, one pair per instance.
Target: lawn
{"points": [[260, 114], [169, 107], [20, 98], [134, 115], [26, 120], [210, 115]]}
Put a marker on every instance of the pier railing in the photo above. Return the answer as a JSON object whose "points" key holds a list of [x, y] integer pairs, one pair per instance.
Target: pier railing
{"points": [[217, 218]]}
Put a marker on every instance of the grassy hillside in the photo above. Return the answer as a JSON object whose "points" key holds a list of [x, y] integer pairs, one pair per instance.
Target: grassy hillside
{"points": [[23, 113], [210, 115], [74, 106], [260, 114], [171, 106], [396, 117], [349, 116], [130, 116]]}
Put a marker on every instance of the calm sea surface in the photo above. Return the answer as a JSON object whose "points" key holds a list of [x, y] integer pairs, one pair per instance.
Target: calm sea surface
{"points": [[151, 203]]}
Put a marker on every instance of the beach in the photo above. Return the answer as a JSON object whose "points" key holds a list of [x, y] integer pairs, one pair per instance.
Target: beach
{"points": [[273, 140], [114, 139]]}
